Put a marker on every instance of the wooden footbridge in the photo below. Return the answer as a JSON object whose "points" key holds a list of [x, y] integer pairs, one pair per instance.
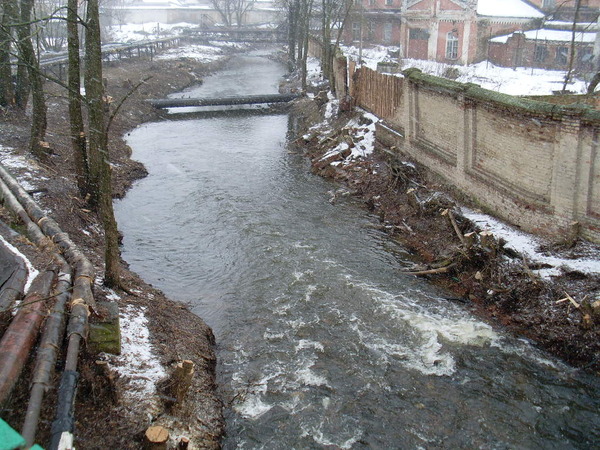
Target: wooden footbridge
{"points": [[223, 101]]}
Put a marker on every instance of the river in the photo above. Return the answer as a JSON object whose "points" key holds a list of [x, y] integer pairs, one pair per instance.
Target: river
{"points": [[321, 340]]}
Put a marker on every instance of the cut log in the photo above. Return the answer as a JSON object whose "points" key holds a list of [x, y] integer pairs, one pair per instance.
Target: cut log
{"points": [[156, 438]]}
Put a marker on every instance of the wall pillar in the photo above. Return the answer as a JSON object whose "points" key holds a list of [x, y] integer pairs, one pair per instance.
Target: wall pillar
{"points": [[465, 140], [411, 92], [566, 173], [432, 44], [464, 57]]}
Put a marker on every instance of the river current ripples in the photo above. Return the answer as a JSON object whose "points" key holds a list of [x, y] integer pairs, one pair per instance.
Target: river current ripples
{"points": [[322, 341]]}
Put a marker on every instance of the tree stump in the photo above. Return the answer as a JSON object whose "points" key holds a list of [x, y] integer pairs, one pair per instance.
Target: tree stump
{"points": [[182, 380], [156, 438]]}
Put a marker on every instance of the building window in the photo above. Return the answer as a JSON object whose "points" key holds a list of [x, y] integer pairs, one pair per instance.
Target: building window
{"points": [[418, 34], [389, 2], [370, 30], [371, 2], [547, 4], [451, 45], [585, 55], [562, 54], [356, 31], [387, 32], [540, 53]]}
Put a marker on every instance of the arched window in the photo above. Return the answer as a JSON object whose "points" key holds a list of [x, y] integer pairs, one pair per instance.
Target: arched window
{"points": [[451, 45]]}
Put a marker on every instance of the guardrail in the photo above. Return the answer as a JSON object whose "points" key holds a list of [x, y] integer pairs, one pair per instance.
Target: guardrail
{"points": [[56, 66]]}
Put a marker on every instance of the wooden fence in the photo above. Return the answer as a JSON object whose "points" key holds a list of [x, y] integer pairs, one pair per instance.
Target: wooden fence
{"points": [[377, 93]]}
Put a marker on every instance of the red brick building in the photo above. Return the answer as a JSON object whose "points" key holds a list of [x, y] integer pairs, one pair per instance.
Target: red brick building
{"points": [[565, 9], [544, 48], [453, 31]]}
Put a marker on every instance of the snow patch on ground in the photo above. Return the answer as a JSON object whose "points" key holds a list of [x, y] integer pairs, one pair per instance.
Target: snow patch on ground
{"points": [[137, 363], [135, 32], [518, 81], [528, 245], [203, 53], [32, 272], [22, 168]]}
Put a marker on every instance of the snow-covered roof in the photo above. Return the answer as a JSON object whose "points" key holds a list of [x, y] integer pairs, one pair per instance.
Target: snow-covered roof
{"points": [[507, 8], [549, 35], [562, 25]]}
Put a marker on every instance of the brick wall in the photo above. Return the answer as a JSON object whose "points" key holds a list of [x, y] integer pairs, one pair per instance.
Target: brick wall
{"points": [[534, 164]]}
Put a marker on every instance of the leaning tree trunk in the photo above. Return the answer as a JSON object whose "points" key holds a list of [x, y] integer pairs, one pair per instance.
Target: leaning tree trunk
{"points": [[78, 138], [100, 176], [7, 92], [29, 59]]}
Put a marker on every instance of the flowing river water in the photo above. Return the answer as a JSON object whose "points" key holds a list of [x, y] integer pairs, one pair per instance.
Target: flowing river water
{"points": [[321, 340]]}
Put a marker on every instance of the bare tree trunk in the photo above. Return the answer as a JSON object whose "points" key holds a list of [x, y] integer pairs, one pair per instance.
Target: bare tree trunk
{"points": [[572, 48], [100, 176], [307, 11], [293, 13], [7, 92], [327, 60], [29, 59], [78, 138]]}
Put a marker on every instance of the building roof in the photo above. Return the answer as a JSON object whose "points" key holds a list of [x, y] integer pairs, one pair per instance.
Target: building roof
{"points": [[507, 8], [545, 34]]}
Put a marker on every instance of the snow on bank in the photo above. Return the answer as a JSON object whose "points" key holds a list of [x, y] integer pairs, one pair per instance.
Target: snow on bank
{"points": [[32, 272], [23, 169], [135, 32], [363, 137], [519, 81], [137, 363], [525, 244], [529, 246], [202, 53]]}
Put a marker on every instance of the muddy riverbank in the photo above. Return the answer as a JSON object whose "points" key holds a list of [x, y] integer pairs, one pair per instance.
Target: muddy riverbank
{"points": [[496, 282], [112, 414], [115, 418]]}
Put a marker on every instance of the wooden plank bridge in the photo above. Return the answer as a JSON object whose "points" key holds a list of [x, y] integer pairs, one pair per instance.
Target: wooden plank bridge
{"points": [[223, 101]]}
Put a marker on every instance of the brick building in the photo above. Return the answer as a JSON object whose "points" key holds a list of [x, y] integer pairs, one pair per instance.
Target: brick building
{"points": [[453, 31], [565, 9], [543, 48]]}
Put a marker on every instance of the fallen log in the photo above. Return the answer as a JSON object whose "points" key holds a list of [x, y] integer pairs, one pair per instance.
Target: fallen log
{"points": [[223, 101], [438, 270]]}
